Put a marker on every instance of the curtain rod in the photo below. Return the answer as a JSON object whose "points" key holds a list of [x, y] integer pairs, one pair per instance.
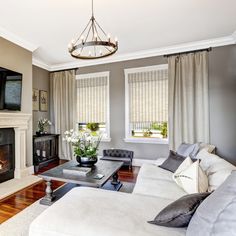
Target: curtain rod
{"points": [[76, 68], [179, 53]]}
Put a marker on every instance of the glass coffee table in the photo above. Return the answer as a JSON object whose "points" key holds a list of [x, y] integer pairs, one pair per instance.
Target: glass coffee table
{"points": [[106, 168]]}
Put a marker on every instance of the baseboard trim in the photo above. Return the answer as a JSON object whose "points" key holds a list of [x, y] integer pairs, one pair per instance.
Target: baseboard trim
{"points": [[31, 170], [140, 162]]}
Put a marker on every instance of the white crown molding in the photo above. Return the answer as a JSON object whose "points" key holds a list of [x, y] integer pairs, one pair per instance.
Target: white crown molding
{"points": [[217, 42], [17, 40], [41, 64]]}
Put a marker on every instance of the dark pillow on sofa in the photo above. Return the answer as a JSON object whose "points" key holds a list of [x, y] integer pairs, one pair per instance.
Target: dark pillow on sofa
{"points": [[180, 212], [172, 162]]}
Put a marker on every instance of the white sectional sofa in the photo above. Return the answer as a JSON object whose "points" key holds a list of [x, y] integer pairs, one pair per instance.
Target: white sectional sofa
{"points": [[96, 212]]}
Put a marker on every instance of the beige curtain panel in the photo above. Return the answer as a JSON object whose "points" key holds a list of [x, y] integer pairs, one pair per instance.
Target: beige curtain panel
{"points": [[92, 99], [148, 96], [63, 107], [188, 99]]}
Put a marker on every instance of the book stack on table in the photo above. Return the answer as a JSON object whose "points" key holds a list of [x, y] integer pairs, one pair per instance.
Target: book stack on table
{"points": [[77, 170]]}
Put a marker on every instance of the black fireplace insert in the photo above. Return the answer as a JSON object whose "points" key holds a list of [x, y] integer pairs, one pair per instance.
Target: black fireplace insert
{"points": [[7, 154]]}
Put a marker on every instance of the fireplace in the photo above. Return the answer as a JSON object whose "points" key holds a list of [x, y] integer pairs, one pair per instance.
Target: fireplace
{"points": [[7, 154]]}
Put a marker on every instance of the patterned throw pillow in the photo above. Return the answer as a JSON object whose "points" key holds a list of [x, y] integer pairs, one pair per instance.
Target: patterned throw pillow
{"points": [[190, 177]]}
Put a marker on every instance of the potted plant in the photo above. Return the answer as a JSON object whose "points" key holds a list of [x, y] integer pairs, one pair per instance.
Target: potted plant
{"points": [[85, 145], [43, 124]]}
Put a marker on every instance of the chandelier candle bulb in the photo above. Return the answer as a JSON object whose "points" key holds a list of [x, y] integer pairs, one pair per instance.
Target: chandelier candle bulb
{"points": [[82, 39], [109, 38]]}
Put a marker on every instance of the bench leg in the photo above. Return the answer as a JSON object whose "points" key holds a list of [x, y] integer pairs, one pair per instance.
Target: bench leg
{"points": [[130, 165]]}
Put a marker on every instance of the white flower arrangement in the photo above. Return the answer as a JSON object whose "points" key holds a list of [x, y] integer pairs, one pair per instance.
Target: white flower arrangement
{"points": [[43, 123], [85, 143]]}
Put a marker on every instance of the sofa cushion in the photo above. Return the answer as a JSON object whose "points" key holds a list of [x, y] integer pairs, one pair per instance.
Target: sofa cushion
{"points": [[216, 214], [167, 189], [172, 162], [152, 171], [180, 212], [89, 212], [216, 168]]}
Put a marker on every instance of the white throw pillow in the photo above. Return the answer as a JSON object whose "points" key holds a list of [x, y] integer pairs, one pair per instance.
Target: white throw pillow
{"points": [[216, 168], [184, 165], [192, 179], [208, 147]]}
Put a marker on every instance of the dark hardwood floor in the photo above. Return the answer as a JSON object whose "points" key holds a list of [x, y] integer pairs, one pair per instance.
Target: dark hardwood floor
{"points": [[18, 201]]}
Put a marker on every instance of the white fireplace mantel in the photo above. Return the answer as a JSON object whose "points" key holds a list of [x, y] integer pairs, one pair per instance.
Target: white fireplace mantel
{"points": [[20, 123]]}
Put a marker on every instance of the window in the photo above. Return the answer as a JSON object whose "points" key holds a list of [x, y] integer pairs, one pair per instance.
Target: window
{"points": [[147, 104], [93, 102]]}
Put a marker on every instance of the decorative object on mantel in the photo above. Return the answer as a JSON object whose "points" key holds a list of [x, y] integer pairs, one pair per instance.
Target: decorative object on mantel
{"points": [[85, 144], [43, 98], [42, 126], [93, 42], [35, 99]]}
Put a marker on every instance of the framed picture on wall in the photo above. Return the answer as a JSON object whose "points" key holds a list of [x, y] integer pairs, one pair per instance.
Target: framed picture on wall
{"points": [[43, 100], [35, 98]]}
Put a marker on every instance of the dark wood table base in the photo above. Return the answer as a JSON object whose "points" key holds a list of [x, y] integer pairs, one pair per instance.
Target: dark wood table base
{"points": [[52, 196]]}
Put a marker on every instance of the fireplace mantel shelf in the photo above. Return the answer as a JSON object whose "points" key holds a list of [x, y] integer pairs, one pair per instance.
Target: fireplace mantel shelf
{"points": [[14, 120]]}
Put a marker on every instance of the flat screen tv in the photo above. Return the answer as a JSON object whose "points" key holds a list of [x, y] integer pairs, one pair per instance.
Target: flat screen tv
{"points": [[10, 90]]}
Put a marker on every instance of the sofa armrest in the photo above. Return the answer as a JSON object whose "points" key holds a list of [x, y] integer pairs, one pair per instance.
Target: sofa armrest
{"points": [[159, 161]]}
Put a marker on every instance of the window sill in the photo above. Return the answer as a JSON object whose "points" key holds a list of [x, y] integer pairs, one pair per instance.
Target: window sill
{"points": [[106, 140], [146, 140]]}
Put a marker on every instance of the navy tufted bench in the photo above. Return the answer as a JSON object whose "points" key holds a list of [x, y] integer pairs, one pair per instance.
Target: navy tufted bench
{"points": [[119, 155]]}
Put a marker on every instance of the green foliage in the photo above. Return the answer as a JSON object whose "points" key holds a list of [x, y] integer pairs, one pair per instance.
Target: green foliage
{"points": [[155, 126], [164, 130], [86, 152], [93, 126], [147, 133]]}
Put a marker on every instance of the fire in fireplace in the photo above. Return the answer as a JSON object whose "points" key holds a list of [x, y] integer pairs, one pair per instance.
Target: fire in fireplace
{"points": [[7, 157]]}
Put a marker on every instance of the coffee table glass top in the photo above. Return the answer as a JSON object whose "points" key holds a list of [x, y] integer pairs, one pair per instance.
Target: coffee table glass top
{"points": [[107, 168]]}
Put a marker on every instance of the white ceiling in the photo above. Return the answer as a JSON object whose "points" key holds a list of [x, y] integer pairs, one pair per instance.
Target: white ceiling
{"points": [[140, 25]]}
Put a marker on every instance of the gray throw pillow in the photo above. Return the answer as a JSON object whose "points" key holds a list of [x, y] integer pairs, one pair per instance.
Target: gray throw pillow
{"points": [[180, 212], [172, 162], [187, 149], [217, 214]]}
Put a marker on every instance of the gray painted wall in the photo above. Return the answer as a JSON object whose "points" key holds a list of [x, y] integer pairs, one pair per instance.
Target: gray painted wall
{"points": [[41, 82], [19, 59], [222, 84], [117, 107], [223, 101]]}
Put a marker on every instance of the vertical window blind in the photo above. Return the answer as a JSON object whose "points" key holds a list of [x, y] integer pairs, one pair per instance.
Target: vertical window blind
{"points": [[148, 97], [92, 99]]}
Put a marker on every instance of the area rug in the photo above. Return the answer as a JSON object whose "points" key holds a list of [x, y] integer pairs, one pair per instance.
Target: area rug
{"points": [[14, 185], [19, 224]]}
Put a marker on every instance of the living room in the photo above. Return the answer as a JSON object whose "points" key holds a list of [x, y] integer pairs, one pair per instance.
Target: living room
{"points": [[149, 87]]}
